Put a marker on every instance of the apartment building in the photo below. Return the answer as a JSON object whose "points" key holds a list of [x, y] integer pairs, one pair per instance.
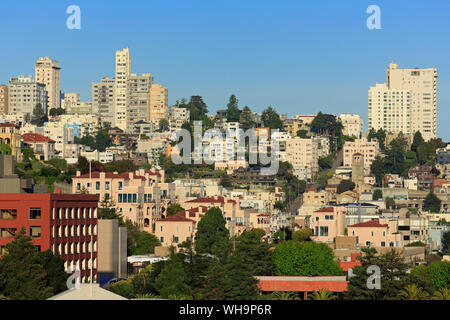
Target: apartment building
{"points": [[406, 103], [141, 196], [302, 155], [66, 224], [177, 116], [68, 100], [25, 94], [43, 147], [159, 103], [123, 71], [139, 97], [4, 100], [47, 72], [376, 233], [10, 135], [328, 223], [353, 125], [103, 99], [369, 150]]}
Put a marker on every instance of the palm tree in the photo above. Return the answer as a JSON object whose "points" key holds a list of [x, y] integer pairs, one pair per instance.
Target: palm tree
{"points": [[443, 294], [322, 294], [284, 295], [413, 292]]}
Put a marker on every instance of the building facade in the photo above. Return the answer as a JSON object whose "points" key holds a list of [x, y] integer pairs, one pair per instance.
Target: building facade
{"points": [[66, 224], [4, 100], [25, 94], [406, 103], [47, 72]]}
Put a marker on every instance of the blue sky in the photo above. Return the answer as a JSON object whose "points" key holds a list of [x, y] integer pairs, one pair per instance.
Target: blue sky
{"points": [[298, 56]]}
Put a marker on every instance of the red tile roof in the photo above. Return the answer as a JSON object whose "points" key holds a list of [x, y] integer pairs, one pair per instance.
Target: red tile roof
{"points": [[35, 137], [369, 224], [325, 210], [179, 217], [208, 200], [9, 125]]}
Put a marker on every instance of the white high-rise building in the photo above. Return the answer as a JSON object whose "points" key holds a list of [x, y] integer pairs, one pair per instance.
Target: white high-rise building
{"points": [[47, 71], [123, 71], [353, 124], [406, 103], [138, 98]]}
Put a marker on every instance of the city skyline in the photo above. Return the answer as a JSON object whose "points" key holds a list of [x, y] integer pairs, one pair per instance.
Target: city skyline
{"points": [[331, 72]]}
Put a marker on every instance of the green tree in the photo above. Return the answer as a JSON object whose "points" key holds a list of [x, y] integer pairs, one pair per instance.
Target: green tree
{"points": [[246, 120], [212, 236], [322, 294], [123, 288], [394, 276], [390, 203], [233, 112], [417, 141], [254, 252], [413, 292], [38, 117], [378, 169], [432, 203], [163, 125], [22, 275], [377, 194], [309, 259], [102, 140], [107, 210], [345, 185], [172, 280], [380, 136], [302, 134], [174, 209], [302, 235], [271, 119], [146, 243], [5, 149]]}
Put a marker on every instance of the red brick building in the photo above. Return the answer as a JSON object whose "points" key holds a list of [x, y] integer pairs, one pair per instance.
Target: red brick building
{"points": [[63, 223]]}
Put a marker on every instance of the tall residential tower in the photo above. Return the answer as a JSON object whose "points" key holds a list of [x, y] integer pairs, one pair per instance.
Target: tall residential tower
{"points": [[406, 103], [47, 72]]}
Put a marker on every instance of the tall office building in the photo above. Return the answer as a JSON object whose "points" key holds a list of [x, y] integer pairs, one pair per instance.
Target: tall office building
{"points": [[4, 101], [159, 103], [103, 99], [139, 89], [406, 103], [47, 71], [25, 94], [123, 71]]}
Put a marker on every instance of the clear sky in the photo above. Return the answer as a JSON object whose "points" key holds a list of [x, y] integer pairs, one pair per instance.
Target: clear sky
{"points": [[301, 57]]}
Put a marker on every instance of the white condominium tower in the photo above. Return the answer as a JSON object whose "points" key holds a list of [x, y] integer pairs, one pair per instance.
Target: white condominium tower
{"points": [[123, 71], [47, 72], [406, 103]]}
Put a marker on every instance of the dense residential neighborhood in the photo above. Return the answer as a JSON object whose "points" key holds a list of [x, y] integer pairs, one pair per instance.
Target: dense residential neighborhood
{"points": [[220, 159]]}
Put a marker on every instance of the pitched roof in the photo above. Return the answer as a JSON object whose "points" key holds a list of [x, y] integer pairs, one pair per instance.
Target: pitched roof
{"points": [[36, 137], [208, 200], [369, 224], [178, 217], [8, 124], [329, 209]]}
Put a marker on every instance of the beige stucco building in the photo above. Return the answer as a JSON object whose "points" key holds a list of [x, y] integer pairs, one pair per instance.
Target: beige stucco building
{"points": [[139, 91], [24, 94], [103, 99], [4, 101], [123, 71], [302, 155], [353, 124], [368, 149], [47, 72], [406, 103], [159, 103]]}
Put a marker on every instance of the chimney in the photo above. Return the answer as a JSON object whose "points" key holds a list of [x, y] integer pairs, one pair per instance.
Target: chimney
{"points": [[78, 173]]}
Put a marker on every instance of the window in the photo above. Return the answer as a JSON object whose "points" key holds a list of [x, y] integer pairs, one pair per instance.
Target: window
{"points": [[120, 185], [97, 185], [175, 239], [35, 232], [78, 186], [161, 239], [35, 213], [383, 244], [8, 214], [107, 185], [324, 231]]}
